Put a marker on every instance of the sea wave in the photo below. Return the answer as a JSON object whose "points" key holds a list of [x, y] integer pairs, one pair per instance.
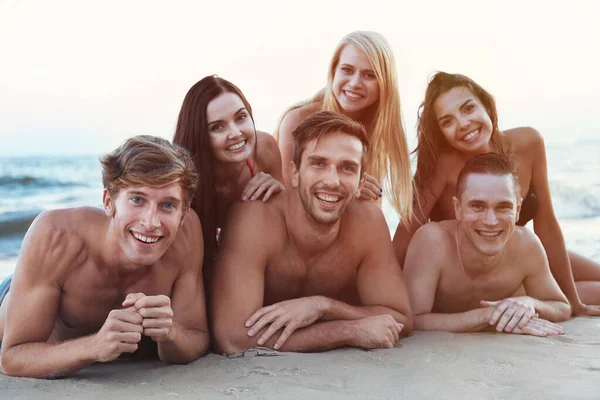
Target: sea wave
{"points": [[16, 223], [574, 201], [33, 182]]}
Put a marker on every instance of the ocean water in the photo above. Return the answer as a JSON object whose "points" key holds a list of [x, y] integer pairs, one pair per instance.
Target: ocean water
{"points": [[29, 185]]}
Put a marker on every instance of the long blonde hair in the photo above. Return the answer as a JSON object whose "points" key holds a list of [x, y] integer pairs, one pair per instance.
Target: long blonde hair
{"points": [[389, 160]]}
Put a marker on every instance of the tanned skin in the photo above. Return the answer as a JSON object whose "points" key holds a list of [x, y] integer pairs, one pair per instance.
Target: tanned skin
{"points": [[485, 273], [84, 289], [300, 274]]}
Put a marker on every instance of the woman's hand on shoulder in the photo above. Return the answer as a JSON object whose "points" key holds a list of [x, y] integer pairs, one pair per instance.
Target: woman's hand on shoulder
{"points": [[262, 185], [369, 188]]}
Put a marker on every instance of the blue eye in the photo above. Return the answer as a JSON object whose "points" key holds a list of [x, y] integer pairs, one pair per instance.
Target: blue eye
{"points": [[137, 200], [169, 206]]}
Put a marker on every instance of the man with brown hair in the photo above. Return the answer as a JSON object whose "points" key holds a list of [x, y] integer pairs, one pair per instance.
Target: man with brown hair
{"points": [[91, 283], [311, 270], [485, 272]]}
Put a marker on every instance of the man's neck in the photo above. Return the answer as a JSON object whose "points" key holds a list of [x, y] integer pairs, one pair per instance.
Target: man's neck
{"points": [[472, 261], [308, 236]]}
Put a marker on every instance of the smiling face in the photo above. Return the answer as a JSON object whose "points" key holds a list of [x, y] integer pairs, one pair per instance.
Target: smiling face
{"points": [[329, 175], [145, 220], [463, 120], [487, 211], [355, 85], [230, 128]]}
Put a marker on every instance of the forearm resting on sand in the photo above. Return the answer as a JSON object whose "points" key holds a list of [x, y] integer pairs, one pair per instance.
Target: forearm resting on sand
{"points": [[553, 311], [184, 346], [470, 321], [380, 331], [43, 360], [338, 310]]}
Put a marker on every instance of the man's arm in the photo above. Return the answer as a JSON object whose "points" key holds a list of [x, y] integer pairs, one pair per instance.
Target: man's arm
{"points": [[189, 339], [427, 251], [548, 300], [47, 253], [239, 287]]}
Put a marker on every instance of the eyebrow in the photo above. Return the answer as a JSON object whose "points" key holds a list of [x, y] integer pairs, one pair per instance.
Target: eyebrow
{"points": [[221, 120], [169, 198], [461, 106], [354, 66]]}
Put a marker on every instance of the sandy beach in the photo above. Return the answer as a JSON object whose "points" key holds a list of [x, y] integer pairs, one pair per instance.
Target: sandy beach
{"points": [[424, 366]]}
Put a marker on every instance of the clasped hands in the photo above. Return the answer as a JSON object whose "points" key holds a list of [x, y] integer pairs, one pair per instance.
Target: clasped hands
{"points": [[123, 329], [518, 315]]}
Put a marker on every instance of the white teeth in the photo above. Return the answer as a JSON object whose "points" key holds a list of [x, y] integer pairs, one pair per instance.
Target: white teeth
{"points": [[489, 234], [471, 135], [237, 146], [328, 198], [145, 239], [352, 95]]}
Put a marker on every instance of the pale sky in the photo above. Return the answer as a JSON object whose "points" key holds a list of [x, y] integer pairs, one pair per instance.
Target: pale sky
{"points": [[81, 76]]}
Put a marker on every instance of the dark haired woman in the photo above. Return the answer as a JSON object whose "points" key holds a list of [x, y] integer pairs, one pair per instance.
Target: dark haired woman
{"points": [[235, 162], [458, 120]]}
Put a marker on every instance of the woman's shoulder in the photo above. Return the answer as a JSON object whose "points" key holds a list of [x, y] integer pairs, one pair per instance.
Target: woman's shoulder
{"points": [[523, 138], [298, 113]]}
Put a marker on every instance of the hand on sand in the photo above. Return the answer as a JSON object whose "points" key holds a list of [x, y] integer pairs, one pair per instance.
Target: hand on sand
{"points": [[156, 313], [120, 333], [375, 332], [263, 185], [291, 314], [369, 188], [539, 327], [511, 313], [585, 310]]}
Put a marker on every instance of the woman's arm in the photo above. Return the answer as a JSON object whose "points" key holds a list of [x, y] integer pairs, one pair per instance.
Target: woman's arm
{"points": [[547, 228]]}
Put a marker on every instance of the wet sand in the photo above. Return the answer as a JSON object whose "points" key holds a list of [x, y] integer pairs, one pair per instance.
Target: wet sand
{"points": [[424, 366]]}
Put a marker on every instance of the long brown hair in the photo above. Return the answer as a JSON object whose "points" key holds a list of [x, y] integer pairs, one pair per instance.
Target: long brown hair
{"points": [[431, 140], [192, 134]]}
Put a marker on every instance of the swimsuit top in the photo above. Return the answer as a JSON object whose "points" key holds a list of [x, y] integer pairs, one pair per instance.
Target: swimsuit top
{"points": [[529, 208]]}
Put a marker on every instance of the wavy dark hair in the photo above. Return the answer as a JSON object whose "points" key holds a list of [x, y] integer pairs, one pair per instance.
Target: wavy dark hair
{"points": [[431, 140], [192, 133]]}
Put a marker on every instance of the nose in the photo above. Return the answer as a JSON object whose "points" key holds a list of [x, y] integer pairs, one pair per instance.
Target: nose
{"points": [[463, 121], [331, 177], [355, 79], [149, 218], [490, 217], [234, 131]]}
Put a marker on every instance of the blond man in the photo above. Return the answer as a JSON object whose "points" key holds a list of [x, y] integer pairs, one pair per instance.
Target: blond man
{"points": [[91, 284]]}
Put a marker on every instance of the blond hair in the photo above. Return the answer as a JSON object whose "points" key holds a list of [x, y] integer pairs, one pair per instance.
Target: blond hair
{"points": [[389, 160]]}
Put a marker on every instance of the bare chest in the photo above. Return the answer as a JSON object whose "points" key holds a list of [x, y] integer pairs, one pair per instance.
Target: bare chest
{"points": [[331, 274], [457, 292], [88, 296]]}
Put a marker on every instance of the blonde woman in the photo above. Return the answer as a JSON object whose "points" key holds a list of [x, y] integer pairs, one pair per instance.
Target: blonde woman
{"points": [[362, 85]]}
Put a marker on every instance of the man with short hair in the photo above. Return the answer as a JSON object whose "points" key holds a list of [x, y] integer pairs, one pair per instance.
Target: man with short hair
{"points": [[312, 269], [90, 283], [480, 270]]}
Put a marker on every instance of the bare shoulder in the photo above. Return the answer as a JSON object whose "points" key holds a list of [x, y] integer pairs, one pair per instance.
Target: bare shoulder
{"points": [[364, 217], [59, 240], [438, 235], [188, 245], [525, 243], [295, 115], [256, 221], [524, 139], [268, 156]]}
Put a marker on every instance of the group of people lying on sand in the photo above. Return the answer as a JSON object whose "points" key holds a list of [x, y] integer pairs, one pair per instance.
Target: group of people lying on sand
{"points": [[232, 237]]}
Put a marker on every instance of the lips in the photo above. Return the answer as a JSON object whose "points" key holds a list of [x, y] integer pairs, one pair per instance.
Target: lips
{"points": [[353, 95], [146, 239], [471, 136], [328, 198], [488, 234], [236, 146]]}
